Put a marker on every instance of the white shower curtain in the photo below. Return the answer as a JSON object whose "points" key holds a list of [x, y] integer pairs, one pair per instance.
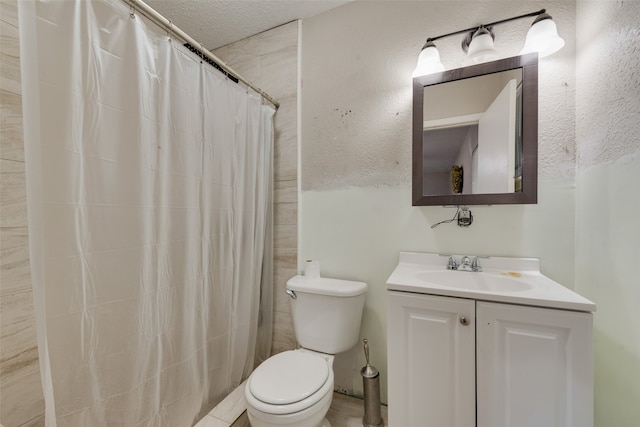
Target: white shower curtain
{"points": [[149, 203]]}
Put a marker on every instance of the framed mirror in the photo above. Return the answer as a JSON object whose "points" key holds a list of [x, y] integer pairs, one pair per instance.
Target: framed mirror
{"points": [[475, 134]]}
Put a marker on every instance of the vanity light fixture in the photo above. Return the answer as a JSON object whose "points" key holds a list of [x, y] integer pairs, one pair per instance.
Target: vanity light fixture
{"points": [[428, 61], [478, 43], [480, 49], [543, 37]]}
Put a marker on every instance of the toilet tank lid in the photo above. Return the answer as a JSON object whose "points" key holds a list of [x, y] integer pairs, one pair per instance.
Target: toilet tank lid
{"points": [[327, 286]]}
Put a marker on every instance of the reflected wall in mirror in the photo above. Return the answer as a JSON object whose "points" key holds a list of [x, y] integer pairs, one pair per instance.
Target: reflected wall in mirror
{"points": [[475, 134]]}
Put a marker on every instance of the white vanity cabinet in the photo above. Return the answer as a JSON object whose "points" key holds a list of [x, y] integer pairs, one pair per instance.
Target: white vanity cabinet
{"points": [[534, 366], [431, 361], [462, 362]]}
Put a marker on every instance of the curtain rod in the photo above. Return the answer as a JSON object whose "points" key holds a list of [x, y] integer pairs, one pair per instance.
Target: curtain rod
{"points": [[149, 12]]}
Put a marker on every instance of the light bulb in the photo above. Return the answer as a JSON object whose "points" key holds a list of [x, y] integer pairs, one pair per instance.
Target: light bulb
{"points": [[428, 61], [543, 37], [481, 48]]}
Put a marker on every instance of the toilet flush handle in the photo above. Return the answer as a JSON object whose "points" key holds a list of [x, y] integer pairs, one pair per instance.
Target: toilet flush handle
{"points": [[291, 293]]}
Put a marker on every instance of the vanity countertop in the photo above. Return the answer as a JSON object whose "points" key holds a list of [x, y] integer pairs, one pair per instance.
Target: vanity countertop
{"points": [[508, 280]]}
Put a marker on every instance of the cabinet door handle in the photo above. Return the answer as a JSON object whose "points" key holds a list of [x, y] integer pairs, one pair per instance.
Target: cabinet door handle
{"points": [[464, 321]]}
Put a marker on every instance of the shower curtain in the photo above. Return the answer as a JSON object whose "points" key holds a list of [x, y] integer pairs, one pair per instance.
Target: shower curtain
{"points": [[149, 196]]}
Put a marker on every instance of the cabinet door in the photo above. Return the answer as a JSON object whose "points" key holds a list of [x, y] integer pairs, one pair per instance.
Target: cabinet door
{"points": [[431, 361], [534, 367]]}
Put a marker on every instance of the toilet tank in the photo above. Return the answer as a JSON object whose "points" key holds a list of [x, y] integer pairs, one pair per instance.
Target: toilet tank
{"points": [[326, 312]]}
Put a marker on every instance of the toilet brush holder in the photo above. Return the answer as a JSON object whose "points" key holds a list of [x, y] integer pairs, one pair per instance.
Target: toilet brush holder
{"points": [[371, 386]]}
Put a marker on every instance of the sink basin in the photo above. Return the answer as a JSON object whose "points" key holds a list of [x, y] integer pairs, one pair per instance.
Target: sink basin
{"points": [[507, 280], [478, 281]]}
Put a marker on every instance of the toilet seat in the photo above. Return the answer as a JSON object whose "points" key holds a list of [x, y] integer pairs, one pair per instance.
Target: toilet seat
{"points": [[288, 377], [289, 382]]}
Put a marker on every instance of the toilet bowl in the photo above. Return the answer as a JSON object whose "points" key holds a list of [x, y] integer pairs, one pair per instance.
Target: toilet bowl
{"points": [[295, 387]]}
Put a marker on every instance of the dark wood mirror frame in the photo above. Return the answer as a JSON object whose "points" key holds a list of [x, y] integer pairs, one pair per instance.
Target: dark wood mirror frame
{"points": [[529, 194]]}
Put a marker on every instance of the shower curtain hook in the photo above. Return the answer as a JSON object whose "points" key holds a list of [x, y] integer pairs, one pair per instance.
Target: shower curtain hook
{"points": [[170, 29], [132, 5]]}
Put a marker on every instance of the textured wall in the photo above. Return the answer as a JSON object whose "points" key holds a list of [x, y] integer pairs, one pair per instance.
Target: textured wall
{"points": [[607, 233], [216, 23], [270, 60], [21, 397], [608, 67], [356, 209], [357, 93]]}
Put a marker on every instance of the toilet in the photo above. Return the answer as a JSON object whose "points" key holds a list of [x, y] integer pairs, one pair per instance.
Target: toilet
{"points": [[295, 388]]}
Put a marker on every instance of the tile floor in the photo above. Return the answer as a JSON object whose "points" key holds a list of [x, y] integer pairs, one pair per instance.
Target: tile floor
{"points": [[345, 411], [228, 412]]}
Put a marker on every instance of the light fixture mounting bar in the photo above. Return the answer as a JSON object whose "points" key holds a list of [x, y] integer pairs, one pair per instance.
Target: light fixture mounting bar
{"points": [[488, 26]]}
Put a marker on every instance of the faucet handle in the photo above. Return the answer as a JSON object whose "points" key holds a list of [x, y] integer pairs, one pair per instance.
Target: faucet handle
{"points": [[452, 264], [474, 264]]}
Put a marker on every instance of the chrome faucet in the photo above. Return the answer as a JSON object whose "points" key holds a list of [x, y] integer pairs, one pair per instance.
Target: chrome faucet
{"points": [[466, 264]]}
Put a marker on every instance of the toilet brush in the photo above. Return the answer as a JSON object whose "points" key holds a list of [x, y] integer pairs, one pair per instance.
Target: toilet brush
{"points": [[371, 386]]}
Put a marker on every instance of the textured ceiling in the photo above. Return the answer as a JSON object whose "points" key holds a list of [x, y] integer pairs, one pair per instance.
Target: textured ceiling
{"points": [[216, 23]]}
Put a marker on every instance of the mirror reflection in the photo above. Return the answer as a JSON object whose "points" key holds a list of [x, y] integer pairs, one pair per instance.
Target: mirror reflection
{"points": [[475, 134], [472, 135]]}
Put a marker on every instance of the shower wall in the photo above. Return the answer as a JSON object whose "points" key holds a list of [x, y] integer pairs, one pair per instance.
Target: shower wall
{"points": [[22, 402], [271, 61]]}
